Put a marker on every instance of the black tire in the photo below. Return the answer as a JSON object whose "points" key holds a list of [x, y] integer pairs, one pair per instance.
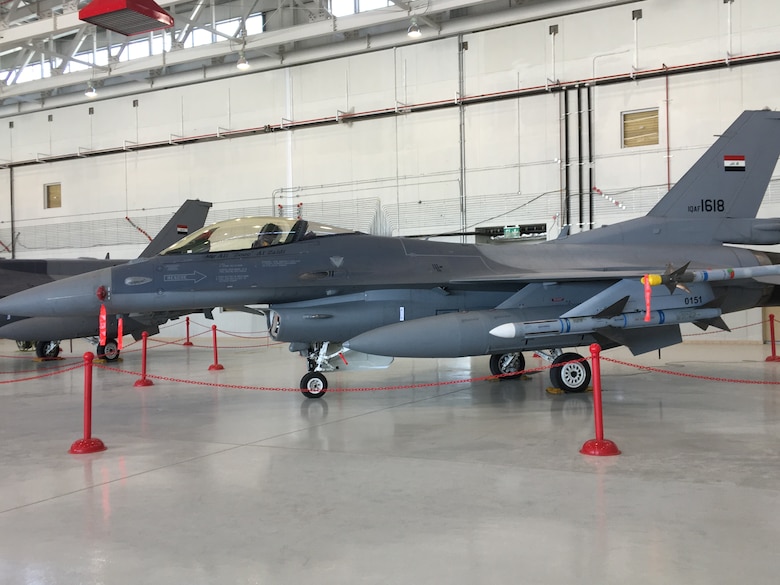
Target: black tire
{"points": [[570, 373], [25, 345], [109, 351], [507, 365], [314, 385], [47, 349]]}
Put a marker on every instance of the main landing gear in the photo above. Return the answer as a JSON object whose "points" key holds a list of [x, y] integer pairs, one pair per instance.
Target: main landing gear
{"points": [[47, 349], [570, 372], [109, 351], [507, 365], [51, 349]]}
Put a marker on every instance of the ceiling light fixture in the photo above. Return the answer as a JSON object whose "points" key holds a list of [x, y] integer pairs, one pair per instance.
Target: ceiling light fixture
{"points": [[91, 91], [242, 64], [413, 31]]}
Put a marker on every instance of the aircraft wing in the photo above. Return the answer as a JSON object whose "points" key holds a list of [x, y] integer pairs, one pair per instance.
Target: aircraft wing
{"points": [[554, 276]]}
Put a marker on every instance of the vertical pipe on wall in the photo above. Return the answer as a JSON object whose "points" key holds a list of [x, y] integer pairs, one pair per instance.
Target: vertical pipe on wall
{"points": [[636, 41], [519, 156], [591, 183], [668, 147], [289, 109], [397, 151], [566, 161], [728, 20], [462, 139], [580, 163], [11, 197]]}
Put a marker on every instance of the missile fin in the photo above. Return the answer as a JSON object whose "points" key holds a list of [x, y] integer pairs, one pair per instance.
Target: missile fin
{"points": [[644, 339], [716, 322], [614, 309], [715, 303], [720, 324], [674, 278]]}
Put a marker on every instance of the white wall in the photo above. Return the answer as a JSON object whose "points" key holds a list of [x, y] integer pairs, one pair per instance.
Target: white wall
{"points": [[410, 163]]}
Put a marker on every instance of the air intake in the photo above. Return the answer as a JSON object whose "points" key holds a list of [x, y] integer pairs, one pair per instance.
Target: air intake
{"points": [[127, 17]]}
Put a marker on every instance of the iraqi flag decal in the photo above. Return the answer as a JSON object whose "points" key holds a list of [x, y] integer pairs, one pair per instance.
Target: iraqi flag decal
{"points": [[182, 229], [734, 162]]}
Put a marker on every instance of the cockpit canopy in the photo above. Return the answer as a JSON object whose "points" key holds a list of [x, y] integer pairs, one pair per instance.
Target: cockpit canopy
{"points": [[251, 232]]}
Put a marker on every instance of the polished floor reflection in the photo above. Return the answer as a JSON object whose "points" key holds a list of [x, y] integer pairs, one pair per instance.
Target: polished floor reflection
{"points": [[475, 482]]}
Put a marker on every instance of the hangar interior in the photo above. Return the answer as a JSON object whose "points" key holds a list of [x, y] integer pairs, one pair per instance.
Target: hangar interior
{"points": [[546, 115], [362, 126]]}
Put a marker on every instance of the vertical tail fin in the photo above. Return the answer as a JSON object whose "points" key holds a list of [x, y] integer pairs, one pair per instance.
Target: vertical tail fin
{"points": [[731, 178], [190, 217]]}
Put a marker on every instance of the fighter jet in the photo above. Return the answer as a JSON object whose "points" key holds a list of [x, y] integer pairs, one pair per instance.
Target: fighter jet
{"points": [[337, 295], [17, 275]]}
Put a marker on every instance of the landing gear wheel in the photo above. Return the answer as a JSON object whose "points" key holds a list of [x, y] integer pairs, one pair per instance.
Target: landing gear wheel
{"points": [[47, 349], [25, 345], [568, 374], [314, 385], [507, 365], [109, 351]]}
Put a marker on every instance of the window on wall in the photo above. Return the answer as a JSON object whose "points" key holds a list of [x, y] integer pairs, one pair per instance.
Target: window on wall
{"points": [[640, 128], [53, 196]]}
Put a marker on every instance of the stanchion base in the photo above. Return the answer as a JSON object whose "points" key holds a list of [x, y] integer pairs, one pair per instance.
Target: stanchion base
{"points": [[773, 358], [187, 343], [216, 367], [603, 447], [143, 382], [83, 446]]}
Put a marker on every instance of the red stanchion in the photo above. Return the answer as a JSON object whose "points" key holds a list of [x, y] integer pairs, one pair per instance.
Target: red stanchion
{"points": [[88, 443], [216, 365], [144, 381], [187, 324], [773, 357], [598, 446]]}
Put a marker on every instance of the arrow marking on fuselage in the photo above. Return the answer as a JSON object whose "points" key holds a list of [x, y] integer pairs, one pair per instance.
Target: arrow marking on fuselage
{"points": [[193, 276]]}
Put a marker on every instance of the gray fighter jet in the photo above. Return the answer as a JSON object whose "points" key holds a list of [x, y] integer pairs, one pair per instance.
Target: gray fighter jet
{"points": [[17, 275], [337, 295]]}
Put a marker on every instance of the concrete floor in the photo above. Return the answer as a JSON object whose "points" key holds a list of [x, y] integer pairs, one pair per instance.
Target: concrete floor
{"points": [[477, 482]]}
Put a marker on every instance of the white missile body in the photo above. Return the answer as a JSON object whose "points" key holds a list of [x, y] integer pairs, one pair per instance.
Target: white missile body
{"points": [[718, 274], [560, 326]]}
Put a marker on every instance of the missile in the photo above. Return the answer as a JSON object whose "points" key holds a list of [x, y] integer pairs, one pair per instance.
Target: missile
{"points": [[563, 326], [684, 276], [496, 331]]}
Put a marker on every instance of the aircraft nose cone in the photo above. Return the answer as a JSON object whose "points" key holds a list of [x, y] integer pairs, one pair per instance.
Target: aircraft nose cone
{"points": [[70, 296]]}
